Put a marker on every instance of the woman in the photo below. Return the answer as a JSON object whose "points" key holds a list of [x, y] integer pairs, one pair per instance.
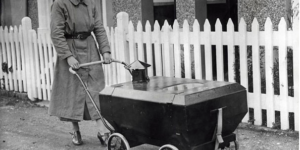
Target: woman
{"points": [[72, 22]]}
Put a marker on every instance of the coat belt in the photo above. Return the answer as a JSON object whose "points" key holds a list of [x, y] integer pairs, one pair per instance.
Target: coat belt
{"points": [[79, 35]]}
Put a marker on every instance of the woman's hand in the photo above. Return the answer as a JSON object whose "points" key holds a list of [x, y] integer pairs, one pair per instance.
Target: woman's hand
{"points": [[73, 62], [107, 58]]}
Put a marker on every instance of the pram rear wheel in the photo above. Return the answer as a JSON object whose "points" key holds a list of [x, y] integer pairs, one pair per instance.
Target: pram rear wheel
{"points": [[168, 147], [117, 141]]}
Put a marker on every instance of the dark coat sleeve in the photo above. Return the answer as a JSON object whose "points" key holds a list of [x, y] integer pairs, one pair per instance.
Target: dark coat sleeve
{"points": [[100, 33], [57, 27]]}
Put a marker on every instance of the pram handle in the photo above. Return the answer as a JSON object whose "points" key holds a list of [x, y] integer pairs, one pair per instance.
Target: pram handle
{"points": [[87, 91], [96, 62]]}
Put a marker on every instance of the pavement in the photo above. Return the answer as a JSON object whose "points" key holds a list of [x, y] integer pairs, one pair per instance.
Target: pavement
{"points": [[25, 125]]}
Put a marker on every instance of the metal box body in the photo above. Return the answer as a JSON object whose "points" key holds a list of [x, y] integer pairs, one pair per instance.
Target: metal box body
{"points": [[173, 110]]}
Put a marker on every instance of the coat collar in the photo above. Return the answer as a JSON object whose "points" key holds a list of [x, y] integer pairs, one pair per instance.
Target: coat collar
{"points": [[76, 2]]}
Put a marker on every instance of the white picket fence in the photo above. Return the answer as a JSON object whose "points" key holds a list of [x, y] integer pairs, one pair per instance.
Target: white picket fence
{"points": [[168, 46], [31, 57]]}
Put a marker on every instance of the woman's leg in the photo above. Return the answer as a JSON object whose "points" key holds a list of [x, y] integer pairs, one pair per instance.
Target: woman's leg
{"points": [[76, 134], [75, 126]]}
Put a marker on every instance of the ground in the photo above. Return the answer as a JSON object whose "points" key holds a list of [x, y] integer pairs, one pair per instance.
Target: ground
{"points": [[25, 125]]}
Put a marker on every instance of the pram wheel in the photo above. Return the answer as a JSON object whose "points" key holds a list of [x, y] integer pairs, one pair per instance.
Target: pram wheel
{"points": [[117, 141], [168, 147]]}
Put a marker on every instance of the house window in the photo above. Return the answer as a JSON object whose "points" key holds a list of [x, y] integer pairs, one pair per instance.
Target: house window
{"points": [[164, 10]]}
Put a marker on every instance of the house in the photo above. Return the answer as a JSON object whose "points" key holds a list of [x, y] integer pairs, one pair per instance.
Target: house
{"points": [[12, 11]]}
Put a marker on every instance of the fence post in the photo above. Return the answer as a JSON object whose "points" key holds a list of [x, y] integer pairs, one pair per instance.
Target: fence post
{"points": [[132, 47], [122, 47], [296, 68], [26, 26]]}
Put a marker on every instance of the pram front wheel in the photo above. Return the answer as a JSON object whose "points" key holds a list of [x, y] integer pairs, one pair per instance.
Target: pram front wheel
{"points": [[117, 141], [168, 147]]}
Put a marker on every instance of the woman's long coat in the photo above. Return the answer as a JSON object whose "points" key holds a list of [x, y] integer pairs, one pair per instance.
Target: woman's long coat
{"points": [[68, 98]]}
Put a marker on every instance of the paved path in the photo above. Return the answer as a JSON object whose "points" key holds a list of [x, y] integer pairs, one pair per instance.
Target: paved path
{"points": [[24, 126]]}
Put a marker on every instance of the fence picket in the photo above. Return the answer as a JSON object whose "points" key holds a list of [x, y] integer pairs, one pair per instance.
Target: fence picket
{"points": [[36, 64], [219, 51], [208, 52], [243, 59], [13, 59], [284, 114], [167, 63], [9, 57], [132, 48], [197, 50], [22, 57], [269, 56], [18, 59], [187, 50], [46, 58], [141, 53], [51, 57], [149, 52], [230, 50], [296, 69], [177, 51], [5, 58], [157, 50], [256, 72], [42, 67], [32, 62]]}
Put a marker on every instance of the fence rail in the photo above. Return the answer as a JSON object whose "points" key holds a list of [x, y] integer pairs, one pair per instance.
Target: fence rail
{"points": [[173, 52]]}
